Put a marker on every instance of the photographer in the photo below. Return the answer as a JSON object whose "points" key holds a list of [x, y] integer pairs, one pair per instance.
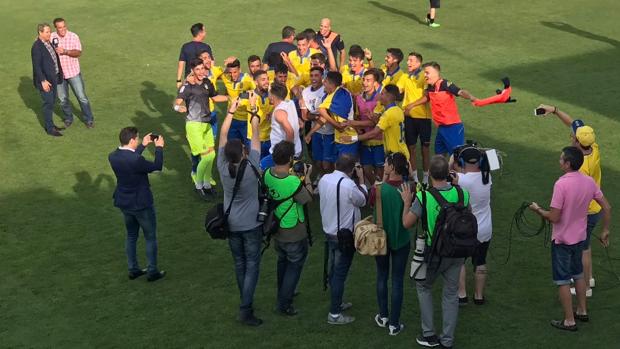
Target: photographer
{"points": [[472, 174], [291, 239], [398, 243], [340, 199], [245, 230], [134, 198], [584, 139], [572, 194]]}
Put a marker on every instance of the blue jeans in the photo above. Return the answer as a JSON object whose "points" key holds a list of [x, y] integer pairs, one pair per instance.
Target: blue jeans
{"points": [[291, 258], [339, 265], [399, 263], [245, 247], [134, 220], [238, 130], [77, 85]]}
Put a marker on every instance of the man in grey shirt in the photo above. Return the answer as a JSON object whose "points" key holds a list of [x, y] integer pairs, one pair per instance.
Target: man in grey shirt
{"points": [[245, 230]]}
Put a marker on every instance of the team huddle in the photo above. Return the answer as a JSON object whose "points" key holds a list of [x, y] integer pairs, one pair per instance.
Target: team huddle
{"points": [[360, 125]]}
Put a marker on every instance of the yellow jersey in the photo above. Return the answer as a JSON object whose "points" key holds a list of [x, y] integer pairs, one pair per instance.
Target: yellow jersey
{"points": [[339, 105], [302, 63], [392, 124], [291, 81], [351, 81], [393, 78], [592, 167], [413, 86], [234, 88], [264, 110], [214, 74]]}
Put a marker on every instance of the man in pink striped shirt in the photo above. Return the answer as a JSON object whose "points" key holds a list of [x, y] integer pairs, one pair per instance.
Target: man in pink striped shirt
{"points": [[69, 49]]}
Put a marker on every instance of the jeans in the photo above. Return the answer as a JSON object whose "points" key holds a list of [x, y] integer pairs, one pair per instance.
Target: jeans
{"points": [[339, 265], [399, 263], [246, 247], [449, 269], [77, 85], [49, 98], [291, 258], [134, 220]]}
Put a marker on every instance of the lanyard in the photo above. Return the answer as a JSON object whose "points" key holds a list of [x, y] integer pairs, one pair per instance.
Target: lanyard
{"points": [[395, 71], [240, 81]]}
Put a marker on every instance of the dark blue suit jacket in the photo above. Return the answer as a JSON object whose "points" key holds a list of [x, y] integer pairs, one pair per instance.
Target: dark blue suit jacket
{"points": [[133, 190], [43, 66]]}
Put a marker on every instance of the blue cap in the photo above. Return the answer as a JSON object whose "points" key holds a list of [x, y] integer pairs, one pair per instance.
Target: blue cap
{"points": [[577, 124]]}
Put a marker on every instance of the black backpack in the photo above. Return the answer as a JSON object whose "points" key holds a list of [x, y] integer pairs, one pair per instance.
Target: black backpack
{"points": [[456, 228]]}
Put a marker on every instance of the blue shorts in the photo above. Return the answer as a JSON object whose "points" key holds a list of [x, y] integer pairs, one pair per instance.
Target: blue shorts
{"points": [[323, 148], [566, 262], [213, 122], [373, 155], [352, 149], [449, 137], [238, 130]]}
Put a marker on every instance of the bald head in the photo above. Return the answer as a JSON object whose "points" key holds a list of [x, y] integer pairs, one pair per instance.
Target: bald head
{"points": [[326, 26]]}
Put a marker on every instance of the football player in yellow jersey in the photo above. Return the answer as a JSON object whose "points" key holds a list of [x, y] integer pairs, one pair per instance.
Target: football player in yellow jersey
{"points": [[298, 61], [392, 70], [236, 83], [353, 74], [391, 124], [583, 138], [336, 108], [260, 105], [417, 119], [282, 75]]}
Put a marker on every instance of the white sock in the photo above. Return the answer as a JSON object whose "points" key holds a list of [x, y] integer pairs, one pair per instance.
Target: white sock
{"points": [[414, 176], [207, 185], [425, 180], [199, 185]]}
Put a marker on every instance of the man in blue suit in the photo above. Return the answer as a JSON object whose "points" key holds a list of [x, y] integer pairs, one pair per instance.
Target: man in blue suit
{"points": [[46, 75], [134, 198]]}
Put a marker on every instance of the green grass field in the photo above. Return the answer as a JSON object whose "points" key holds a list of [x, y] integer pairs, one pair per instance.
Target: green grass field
{"points": [[63, 280]]}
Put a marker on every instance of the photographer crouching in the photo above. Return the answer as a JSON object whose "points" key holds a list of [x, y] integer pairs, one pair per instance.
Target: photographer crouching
{"points": [[291, 239], [240, 180]]}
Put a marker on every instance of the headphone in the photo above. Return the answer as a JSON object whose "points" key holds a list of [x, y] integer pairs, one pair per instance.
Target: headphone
{"points": [[461, 149]]}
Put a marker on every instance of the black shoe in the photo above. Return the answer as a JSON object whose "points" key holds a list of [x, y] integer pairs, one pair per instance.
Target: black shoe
{"points": [[210, 191], [154, 277], [251, 320], [68, 123], [290, 311], [201, 194], [90, 124], [136, 274], [463, 301], [480, 301], [429, 342], [54, 131]]}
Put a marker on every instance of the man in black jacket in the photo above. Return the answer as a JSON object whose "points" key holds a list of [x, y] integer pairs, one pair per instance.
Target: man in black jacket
{"points": [[134, 198], [46, 75]]}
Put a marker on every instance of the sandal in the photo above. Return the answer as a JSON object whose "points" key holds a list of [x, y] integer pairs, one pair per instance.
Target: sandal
{"points": [[581, 317], [559, 324]]}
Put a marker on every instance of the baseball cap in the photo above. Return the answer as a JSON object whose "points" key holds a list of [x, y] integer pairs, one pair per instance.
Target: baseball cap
{"points": [[585, 136], [577, 124]]}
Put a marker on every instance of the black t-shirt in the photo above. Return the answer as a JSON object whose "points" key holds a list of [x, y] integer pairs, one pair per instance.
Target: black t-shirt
{"points": [[190, 51], [196, 99], [273, 50], [337, 45], [445, 86]]}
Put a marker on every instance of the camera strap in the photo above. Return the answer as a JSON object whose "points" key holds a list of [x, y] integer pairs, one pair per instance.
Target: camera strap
{"points": [[239, 177]]}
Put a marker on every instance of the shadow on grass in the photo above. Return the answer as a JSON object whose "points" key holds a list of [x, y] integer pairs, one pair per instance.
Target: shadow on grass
{"points": [[572, 79], [397, 11], [32, 100]]}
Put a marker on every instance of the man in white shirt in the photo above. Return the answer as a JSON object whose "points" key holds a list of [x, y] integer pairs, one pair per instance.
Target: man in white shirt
{"points": [[284, 123], [340, 210], [473, 175]]}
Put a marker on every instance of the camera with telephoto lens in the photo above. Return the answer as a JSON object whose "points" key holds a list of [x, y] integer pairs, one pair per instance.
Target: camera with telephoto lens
{"points": [[263, 208], [300, 168], [418, 264]]}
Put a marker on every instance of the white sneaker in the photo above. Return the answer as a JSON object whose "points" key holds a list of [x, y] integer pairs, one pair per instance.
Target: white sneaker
{"points": [[592, 283], [395, 330], [341, 319], [381, 321], [574, 293]]}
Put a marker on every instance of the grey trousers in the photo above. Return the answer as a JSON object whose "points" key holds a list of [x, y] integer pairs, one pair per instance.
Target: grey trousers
{"points": [[449, 269]]}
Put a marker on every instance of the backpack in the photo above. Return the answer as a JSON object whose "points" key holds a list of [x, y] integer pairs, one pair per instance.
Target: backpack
{"points": [[370, 238], [456, 228]]}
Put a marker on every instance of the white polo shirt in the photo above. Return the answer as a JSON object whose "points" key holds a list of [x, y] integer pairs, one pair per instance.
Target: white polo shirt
{"points": [[351, 199]]}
